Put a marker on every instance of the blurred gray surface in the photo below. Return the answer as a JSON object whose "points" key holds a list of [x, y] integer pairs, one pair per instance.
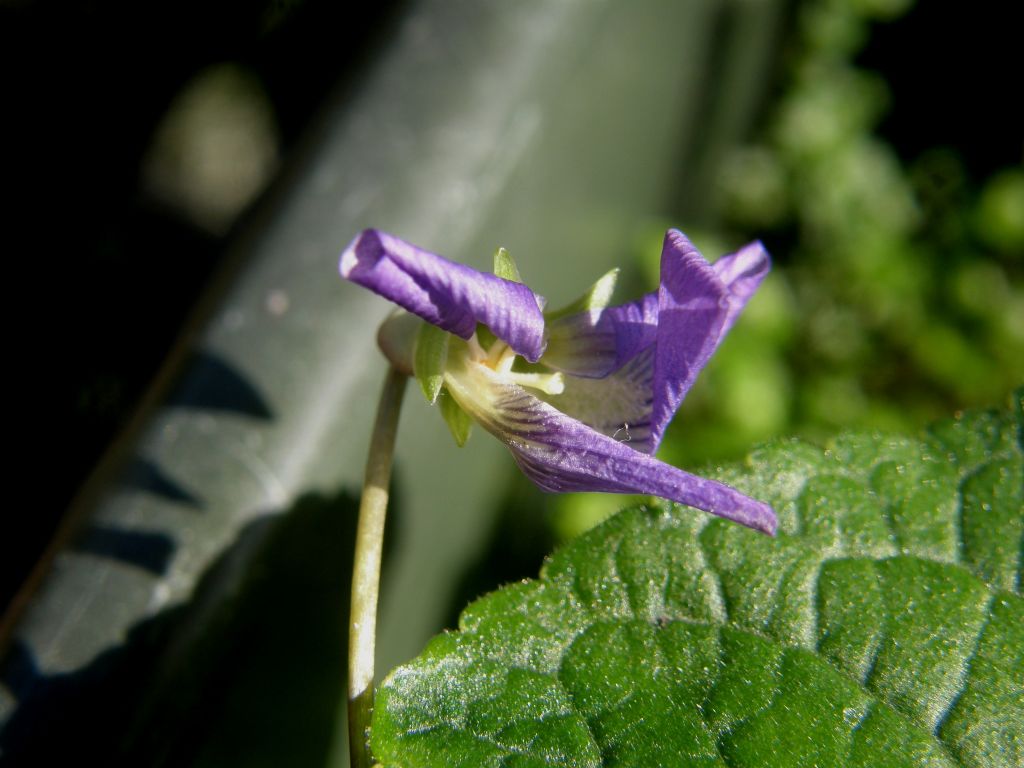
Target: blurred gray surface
{"points": [[551, 128]]}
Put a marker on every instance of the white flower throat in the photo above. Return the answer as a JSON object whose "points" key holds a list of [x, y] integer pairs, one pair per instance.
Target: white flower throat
{"points": [[501, 357]]}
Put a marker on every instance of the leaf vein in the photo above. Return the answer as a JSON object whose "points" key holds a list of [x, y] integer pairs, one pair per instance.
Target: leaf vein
{"points": [[965, 673], [709, 568], [879, 640]]}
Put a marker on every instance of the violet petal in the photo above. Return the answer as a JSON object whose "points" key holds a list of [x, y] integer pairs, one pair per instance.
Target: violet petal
{"points": [[593, 344], [561, 454], [684, 322], [741, 273], [619, 405], [697, 303], [449, 295]]}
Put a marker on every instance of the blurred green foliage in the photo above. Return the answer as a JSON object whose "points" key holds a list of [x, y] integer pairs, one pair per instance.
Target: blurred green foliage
{"points": [[896, 295]]}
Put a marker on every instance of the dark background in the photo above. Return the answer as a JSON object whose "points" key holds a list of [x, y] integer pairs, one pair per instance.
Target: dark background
{"points": [[105, 275], [113, 273]]}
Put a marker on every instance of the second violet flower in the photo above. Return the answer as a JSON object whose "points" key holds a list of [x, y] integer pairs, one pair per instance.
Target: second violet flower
{"points": [[581, 396]]}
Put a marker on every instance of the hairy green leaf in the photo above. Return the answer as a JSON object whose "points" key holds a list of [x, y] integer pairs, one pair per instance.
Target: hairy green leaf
{"points": [[883, 626]]}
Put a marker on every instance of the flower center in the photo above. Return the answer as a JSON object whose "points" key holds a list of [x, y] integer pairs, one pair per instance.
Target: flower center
{"points": [[500, 358]]}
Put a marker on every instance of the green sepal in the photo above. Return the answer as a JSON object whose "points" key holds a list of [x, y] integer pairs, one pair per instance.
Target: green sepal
{"points": [[429, 359], [505, 267], [598, 296], [458, 421], [484, 336]]}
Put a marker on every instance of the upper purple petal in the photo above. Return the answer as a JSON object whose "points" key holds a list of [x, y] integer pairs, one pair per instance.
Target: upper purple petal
{"points": [[742, 273], [449, 295], [596, 343], [685, 320], [697, 304], [692, 309], [561, 454]]}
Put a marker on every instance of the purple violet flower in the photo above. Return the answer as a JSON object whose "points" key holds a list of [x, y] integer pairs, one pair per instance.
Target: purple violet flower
{"points": [[581, 396]]}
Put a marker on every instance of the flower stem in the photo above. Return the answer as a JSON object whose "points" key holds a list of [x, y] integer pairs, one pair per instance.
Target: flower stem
{"points": [[366, 568]]}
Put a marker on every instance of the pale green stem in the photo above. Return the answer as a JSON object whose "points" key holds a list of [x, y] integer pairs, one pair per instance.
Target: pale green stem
{"points": [[366, 568]]}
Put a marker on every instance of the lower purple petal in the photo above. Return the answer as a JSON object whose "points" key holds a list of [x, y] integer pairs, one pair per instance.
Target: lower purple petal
{"points": [[561, 454], [567, 456], [449, 295]]}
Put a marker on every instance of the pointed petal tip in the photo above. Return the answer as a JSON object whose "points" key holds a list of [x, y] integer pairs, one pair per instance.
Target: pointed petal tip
{"points": [[675, 241], [737, 507], [769, 523], [759, 246], [752, 260]]}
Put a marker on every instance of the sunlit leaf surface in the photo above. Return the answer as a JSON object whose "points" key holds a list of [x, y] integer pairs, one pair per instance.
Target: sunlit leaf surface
{"points": [[884, 626]]}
